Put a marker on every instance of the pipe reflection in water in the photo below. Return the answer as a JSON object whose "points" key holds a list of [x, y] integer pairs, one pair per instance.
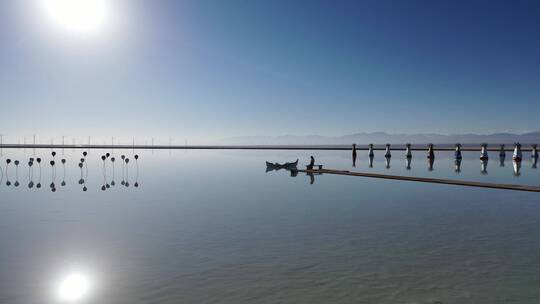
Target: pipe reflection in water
{"points": [[431, 161], [517, 167], [105, 185], [1, 174], [63, 184], [483, 166], [38, 185], [127, 173], [113, 172], [53, 175], [30, 173], [408, 163], [136, 184], [8, 161], [81, 180], [457, 165], [123, 157], [16, 184], [35, 181]]}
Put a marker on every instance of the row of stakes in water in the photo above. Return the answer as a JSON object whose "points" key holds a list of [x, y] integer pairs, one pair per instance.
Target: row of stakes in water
{"points": [[82, 165], [517, 154]]}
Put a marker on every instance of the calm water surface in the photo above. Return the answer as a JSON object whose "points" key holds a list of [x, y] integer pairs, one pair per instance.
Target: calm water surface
{"points": [[213, 227]]}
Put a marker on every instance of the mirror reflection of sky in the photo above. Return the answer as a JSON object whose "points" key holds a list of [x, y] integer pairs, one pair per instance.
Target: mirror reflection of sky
{"points": [[213, 226]]}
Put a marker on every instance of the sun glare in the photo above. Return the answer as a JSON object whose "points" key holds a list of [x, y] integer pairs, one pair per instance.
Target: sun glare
{"points": [[73, 287], [77, 15]]}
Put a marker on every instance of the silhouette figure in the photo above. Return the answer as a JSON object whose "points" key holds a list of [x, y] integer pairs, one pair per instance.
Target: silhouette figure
{"points": [[311, 163], [408, 163], [370, 151]]}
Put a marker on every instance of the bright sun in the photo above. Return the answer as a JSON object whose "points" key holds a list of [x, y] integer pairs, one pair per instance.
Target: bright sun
{"points": [[77, 15]]}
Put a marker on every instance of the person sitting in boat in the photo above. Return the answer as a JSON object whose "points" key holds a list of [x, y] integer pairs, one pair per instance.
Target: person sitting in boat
{"points": [[311, 163]]}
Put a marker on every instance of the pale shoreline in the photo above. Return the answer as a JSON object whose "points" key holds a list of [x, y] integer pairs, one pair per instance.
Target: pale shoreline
{"points": [[396, 147]]}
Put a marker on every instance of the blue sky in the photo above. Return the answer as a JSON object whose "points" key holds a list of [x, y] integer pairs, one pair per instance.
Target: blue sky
{"points": [[205, 70]]}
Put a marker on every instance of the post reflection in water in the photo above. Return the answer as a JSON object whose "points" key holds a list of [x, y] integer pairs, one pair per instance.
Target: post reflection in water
{"points": [[431, 161], [408, 161], [517, 167], [501, 160], [483, 166], [457, 165]]}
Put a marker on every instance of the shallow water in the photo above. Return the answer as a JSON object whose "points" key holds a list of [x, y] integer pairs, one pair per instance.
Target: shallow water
{"points": [[213, 227]]}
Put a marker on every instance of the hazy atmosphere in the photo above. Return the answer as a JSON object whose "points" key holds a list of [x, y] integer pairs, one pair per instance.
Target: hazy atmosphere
{"points": [[208, 70]]}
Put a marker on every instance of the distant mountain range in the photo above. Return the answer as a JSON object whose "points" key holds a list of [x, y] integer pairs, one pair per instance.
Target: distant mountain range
{"points": [[383, 138]]}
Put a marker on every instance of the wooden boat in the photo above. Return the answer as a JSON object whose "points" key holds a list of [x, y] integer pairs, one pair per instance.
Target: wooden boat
{"points": [[286, 166]]}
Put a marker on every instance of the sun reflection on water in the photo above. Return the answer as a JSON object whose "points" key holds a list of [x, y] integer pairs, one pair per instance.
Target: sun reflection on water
{"points": [[74, 287]]}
